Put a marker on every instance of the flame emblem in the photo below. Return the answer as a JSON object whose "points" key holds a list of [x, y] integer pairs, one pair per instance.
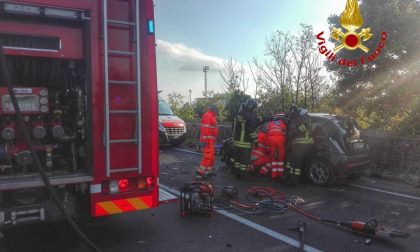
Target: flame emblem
{"points": [[351, 20]]}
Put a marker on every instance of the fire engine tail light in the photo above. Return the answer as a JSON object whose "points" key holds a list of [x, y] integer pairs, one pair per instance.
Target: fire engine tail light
{"points": [[123, 185], [149, 182], [128, 185]]}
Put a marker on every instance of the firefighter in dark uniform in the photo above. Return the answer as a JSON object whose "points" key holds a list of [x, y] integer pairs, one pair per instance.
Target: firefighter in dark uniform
{"points": [[244, 136], [300, 140]]}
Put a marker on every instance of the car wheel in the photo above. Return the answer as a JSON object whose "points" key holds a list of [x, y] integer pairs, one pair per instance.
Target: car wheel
{"points": [[320, 172]]}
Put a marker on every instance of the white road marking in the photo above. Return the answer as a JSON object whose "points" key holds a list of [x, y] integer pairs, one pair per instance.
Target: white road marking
{"points": [[383, 191], [253, 225]]}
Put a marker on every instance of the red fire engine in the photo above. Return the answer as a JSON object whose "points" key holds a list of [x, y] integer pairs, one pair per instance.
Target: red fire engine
{"points": [[84, 74]]}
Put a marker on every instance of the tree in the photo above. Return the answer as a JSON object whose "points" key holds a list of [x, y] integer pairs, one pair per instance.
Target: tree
{"points": [[200, 105], [233, 76], [383, 93], [234, 103], [176, 101], [186, 112], [291, 72]]}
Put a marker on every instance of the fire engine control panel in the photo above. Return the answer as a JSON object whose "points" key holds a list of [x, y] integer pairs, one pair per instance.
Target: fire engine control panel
{"points": [[30, 100], [54, 117]]}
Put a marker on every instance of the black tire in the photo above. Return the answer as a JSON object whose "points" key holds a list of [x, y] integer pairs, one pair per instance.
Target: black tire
{"points": [[320, 172]]}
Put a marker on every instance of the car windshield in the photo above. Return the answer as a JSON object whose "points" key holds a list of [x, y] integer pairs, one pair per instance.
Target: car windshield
{"points": [[164, 108]]}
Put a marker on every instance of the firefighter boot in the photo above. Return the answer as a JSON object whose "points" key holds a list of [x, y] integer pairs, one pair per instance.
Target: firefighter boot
{"points": [[294, 177]]}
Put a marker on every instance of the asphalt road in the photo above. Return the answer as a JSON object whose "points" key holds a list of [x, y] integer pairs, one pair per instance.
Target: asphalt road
{"points": [[163, 229]]}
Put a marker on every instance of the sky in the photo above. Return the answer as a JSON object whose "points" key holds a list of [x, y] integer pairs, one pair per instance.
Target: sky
{"points": [[191, 34]]}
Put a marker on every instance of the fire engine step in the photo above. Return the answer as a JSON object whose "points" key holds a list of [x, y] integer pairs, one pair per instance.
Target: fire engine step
{"points": [[166, 197]]}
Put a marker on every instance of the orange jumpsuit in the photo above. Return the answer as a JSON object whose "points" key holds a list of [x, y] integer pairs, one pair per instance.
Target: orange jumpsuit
{"points": [[259, 157], [276, 139], [208, 137]]}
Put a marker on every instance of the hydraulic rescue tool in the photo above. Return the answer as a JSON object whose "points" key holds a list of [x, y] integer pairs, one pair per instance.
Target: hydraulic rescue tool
{"points": [[301, 228]]}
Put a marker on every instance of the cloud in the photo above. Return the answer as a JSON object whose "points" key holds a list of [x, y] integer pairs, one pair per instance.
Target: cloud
{"points": [[180, 69], [187, 59]]}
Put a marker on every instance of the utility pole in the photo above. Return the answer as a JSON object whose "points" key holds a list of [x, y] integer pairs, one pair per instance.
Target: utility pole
{"points": [[189, 90], [205, 70]]}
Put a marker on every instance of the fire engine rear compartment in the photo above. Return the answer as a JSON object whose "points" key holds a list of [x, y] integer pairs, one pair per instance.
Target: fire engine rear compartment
{"points": [[77, 74], [58, 127], [50, 73], [59, 134]]}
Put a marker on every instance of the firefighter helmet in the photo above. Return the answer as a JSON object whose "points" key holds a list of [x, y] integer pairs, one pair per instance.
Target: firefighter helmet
{"points": [[251, 104], [293, 111], [213, 107]]}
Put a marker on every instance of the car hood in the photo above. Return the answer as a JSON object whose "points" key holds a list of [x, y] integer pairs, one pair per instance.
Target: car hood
{"points": [[171, 121]]}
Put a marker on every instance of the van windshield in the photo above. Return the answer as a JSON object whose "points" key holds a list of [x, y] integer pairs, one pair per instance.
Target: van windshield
{"points": [[164, 108]]}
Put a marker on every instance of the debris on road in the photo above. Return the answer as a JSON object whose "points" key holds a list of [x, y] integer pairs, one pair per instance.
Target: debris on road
{"points": [[395, 214]]}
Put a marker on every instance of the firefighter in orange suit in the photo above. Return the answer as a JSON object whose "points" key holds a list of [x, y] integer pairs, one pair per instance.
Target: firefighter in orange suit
{"points": [[208, 137], [276, 139]]}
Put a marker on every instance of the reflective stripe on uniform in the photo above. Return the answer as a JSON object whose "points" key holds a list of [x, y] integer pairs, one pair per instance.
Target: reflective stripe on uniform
{"points": [[208, 126], [242, 144], [302, 128], [208, 137], [242, 121], [304, 140]]}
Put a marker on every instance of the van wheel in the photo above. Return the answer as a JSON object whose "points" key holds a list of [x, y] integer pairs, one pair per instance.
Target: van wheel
{"points": [[320, 172]]}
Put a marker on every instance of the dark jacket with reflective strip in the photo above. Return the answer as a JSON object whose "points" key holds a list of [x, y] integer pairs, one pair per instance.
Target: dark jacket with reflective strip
{"points": [[300, 130], [244, 129]]}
